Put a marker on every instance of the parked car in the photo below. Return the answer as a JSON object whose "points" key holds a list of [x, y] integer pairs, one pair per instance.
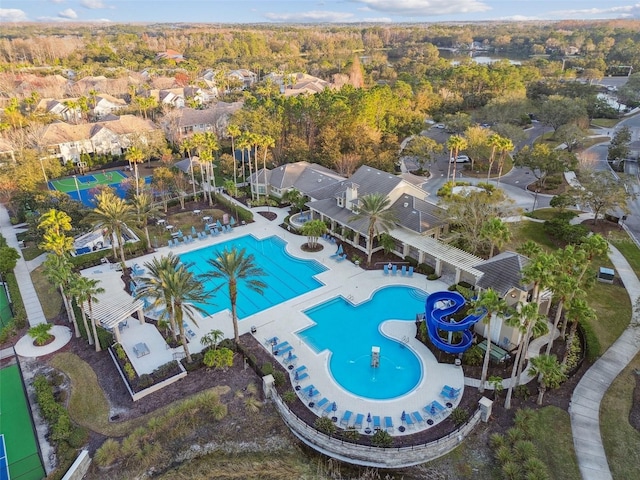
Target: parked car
{"points": [[440, 126], [459, 159]]}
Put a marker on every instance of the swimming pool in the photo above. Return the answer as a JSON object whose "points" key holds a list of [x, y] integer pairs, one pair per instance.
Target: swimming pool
{"points": [[286, 277], [349, 331]]}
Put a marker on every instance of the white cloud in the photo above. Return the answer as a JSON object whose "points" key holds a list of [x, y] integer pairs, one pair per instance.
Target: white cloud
{"points": [[377, 20], [68, 13], [425, 8], [315, 16], [57, 1], [12, 15], [93, 4], [623, 11]]}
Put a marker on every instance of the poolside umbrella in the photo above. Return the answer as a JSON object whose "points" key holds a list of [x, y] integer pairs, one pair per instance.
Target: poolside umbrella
{"points": [[403, 417], [232, 221], [193, 230], [310, 392], [296, 377], [290, 355], [334, 408], [433, 409], [369, 418]]}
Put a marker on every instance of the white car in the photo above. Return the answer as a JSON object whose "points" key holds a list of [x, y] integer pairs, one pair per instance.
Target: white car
{"points": [[459, 159], [439, 125]]}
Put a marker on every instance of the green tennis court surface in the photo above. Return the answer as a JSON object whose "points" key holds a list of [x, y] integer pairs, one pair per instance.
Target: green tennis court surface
{"points": [[20, 445], [85, 182], [5, 309]]}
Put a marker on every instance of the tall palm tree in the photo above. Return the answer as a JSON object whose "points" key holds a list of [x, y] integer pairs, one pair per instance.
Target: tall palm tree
{"points": [[496, 232], [55, 221], [154, 288], [234, 132], [506, 146], [564, 286], [85, 291], [540, 272], [577, 311], [206, 143], [243, 145], [187, 145], [550, 373], [145, 209], [530, 322], [455, 144], [135, 156], [375, 209], [266, 142], [233, 265], [56, 243], [112, 213], [58, 270], [494, 142], [185, 289], [492, 304]]}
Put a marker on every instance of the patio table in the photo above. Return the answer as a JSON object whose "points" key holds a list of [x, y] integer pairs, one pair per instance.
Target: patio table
{"points": [[169, 227], [206, 219], [161, 221], [141, 349], [197, 212]]}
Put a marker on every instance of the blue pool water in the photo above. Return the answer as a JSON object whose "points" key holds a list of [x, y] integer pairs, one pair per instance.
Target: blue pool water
{"points": [[286, 277], [350, 331]]}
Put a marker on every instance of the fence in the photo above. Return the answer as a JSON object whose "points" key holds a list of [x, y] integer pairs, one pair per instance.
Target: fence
{"points": [[367, 455]]}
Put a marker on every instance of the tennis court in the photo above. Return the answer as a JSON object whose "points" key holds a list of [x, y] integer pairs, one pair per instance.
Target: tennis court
{"points": [[17, 439], [85, 182]]}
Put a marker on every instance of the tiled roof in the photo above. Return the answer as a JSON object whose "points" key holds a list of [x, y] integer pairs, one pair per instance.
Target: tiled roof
{"points": [[503, 272], [60, 132], [209, 116], [417, 215]]}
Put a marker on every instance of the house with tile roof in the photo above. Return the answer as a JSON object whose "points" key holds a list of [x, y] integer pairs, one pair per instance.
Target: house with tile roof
{"points": [[68, 142], [60, 108], [106, 104], [246, 77], [187, 121]]}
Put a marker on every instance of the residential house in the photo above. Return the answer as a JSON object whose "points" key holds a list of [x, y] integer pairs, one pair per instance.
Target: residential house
{"points": [[170, 54], [106, 105], [302, 176], [109, 137], [246, 77], [7, 153], [62, 109], [187, 121], [170, 96], [297, 83], [503, 274]]}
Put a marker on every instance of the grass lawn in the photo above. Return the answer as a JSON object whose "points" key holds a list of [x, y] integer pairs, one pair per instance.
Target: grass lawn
{"points": [[630, 251], [31, 252], [49, 296], [546, 213], [526, 230], [621, 441], [89, 407], [605, 122], [553, 439], [613, 310]]}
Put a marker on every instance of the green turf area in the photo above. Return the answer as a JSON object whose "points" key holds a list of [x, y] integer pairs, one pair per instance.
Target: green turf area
{"points": [[68, 184], [5, 310], [22, 452]]}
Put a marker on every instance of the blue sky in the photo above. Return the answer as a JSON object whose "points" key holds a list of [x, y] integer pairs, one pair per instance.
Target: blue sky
{"points": [[311, 11]]}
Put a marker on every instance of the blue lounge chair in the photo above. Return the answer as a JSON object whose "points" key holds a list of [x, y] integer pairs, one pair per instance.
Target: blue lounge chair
{"points": [[329, 408], [279, 346], [410, 272], [321, 404], [388, 424], [137, 270], [171, 244], [386, 269], [301, 369], [403, 272], [341, 258], [302, 376], [312, 393], [394, 270], [434, 409], [408, 421], [376, 422], [338, 253], [417, 417], [286, 349], [449, 393], [346, 417], [271, 341], [358, 421], [290, 359], [306, 389]]}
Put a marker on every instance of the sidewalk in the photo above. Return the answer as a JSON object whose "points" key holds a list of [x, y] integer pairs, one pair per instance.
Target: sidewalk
{"points": [[584, 409], [35, 315]]}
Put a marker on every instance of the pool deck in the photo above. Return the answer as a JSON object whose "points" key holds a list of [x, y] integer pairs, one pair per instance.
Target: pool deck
{"points": [[283, 320]]}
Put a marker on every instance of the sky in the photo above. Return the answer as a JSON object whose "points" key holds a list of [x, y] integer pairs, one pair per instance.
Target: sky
{"points": [[310, 11]]}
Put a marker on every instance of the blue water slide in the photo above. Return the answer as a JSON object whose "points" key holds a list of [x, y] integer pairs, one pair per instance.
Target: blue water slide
{"points": [[439, 307]]}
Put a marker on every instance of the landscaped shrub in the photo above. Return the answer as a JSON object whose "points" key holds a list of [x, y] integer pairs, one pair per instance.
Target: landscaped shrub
{"points": [[289, 397], [426, 269], [108, 453], [351, 434], [120, 353], [19, 313], [229, 344], [522, 391], [40, 333], [266, 368], [382, 439], [459, 416], [473, 356], [242, 214], [591, 339], [325, 425], [129, 371], [218, 359], [433, 276], [279, 378], [145, 380]]}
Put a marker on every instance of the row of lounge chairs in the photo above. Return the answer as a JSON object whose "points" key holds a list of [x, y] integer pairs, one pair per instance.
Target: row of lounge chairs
{"points": [[214, 232], [328, 238], [394, 270]]}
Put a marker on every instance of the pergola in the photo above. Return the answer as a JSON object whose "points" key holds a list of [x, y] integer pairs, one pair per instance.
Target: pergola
{"points": [[460, 260], [114, 309]]}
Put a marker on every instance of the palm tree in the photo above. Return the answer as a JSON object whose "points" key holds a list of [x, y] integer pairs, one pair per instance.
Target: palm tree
{"points": [[56, 243], [564, 286], [266, 142], [153, 288], [243, 145], [185, 289], [540, 272], [234, 132], [187, 145], [233, 265], [135, 156], [112, 213], [144, 209], [455, 143], [313, 229], [550, 373], [577, 311], [55, 221], [530, 322], [494, 142], [497, 232], [374, 208], [85, 291], [490, 303], [206, 143], [506, 146], [58, 270]]}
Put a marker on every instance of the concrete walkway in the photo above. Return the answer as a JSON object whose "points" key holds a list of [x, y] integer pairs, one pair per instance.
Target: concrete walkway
{"points": [[35, 315], [584, 410]]}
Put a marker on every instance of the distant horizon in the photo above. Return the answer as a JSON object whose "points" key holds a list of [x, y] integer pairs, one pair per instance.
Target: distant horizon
{"points": [[310, 12]]}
